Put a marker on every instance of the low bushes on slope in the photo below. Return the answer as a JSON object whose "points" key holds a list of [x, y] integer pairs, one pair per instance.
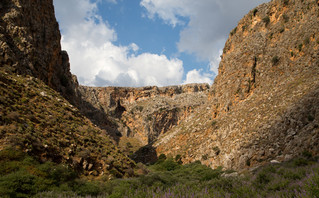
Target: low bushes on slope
{"points": [[38, 121]]}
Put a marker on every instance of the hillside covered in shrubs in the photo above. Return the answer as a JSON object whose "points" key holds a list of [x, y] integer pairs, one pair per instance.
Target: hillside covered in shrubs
{"points": [[38, 121], [23, 176]]}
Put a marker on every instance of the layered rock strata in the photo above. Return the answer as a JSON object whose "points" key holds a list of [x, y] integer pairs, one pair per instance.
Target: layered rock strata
{"points": [[144, 113]]}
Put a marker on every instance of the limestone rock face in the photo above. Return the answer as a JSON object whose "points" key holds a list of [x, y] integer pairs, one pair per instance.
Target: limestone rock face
{"points": [[34, 117], [143, 113], [264, 102], [263, 106], [30, 43]]}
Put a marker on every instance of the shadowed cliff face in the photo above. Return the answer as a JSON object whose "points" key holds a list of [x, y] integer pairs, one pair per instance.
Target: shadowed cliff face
{"points": [[264, 101], [143, 113], [34, 117], [30, 43]]}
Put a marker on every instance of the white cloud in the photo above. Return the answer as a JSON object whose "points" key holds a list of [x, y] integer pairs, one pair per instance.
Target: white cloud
{"points": [[210, 22], [196, 76], [134, 47], [98, 62], [112, 1]]}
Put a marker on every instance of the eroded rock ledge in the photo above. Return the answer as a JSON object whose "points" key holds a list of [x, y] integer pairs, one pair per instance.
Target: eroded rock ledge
{"points": [[145, 112]]}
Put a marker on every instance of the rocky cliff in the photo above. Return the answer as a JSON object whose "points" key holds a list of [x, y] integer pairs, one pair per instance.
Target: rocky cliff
{"points": [[34, 117], [143, 113], [264, 101], [263, 105], [30, 43]]}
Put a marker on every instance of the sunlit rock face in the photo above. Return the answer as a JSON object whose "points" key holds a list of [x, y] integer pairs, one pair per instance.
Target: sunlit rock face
{"points": [[147, 112], [264, 102]]}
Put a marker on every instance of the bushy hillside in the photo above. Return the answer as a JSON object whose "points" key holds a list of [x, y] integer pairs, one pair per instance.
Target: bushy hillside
{"points": [[37, 120], [166, 178]]}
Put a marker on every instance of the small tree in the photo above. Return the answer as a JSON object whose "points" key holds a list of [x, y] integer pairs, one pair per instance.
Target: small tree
{"points": [[275, 60], [266, 20]]}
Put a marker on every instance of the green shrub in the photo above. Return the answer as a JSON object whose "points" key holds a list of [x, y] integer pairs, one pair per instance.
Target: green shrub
{"points": [[18, 184], [312, 184], [178, 159], [85, 188], [11, 154], [285, 2], [278, 185], [161, 158], [209, 174], [266, 20], [285, 17], [275, 60], [169, 165], [307, 41], [293, 175], [204, 157], [233, 31], [300, 47], [262, 178], [311, 117], [214, 122], [255, 11], [307, 154], [57, 173], [301, 162], [271, 35], [149, 180], [243, 28], [216, 149]]}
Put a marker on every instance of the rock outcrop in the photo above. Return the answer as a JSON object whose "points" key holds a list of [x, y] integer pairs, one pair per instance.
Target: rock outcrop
{"points": [[34, 117], [30, 43], [142, 113], [264, 101]]}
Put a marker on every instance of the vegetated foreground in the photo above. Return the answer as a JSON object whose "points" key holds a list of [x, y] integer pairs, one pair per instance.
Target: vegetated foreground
{"points": [[49, 149], [24, 176]]}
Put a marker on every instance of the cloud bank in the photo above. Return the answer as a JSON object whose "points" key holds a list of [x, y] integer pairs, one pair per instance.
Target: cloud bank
{"points": [[98, 62], [209, 24]]}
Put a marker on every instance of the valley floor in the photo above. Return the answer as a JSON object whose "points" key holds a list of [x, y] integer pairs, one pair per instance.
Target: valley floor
{"points": [[24, 176]]}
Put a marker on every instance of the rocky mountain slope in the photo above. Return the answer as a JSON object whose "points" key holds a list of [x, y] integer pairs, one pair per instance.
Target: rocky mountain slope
{"points": [[37, 120], [34, 117], [263, 105], [30, 43], [265, 99]]}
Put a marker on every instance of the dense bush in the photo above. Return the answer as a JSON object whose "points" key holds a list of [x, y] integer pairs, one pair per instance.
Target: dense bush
{"points": [[275, 60], [266, 20], [23, 176]]}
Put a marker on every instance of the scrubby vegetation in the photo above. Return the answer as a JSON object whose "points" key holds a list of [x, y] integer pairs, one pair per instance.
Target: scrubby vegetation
{"points": [[24, 176], [39, 121], [266, 20]]}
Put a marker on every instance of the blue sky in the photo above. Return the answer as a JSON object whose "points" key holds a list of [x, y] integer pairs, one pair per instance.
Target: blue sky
{"points": [[147, 42], [132, 25]]}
